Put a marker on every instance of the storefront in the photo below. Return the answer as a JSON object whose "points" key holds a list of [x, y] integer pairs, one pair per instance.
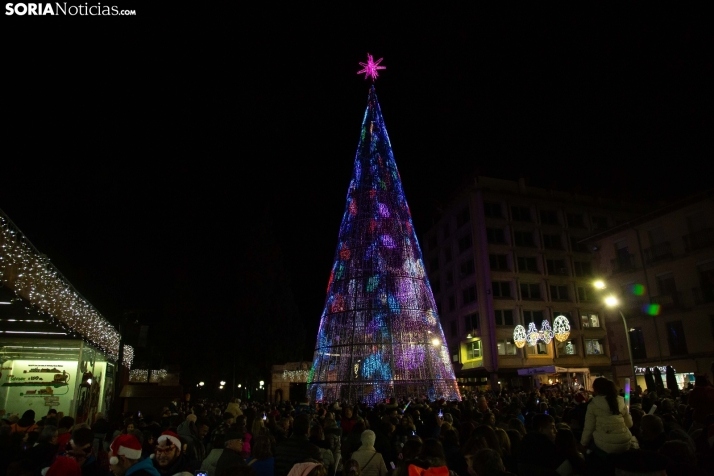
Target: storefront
{"points": [[566, 378], [683, 373], [56, 350], [68, 375]]}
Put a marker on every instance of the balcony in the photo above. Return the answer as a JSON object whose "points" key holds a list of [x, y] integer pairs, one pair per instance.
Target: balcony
{"points": [[671, 300], [703, 295], [623, 264], [699, 239], [658, 252]]}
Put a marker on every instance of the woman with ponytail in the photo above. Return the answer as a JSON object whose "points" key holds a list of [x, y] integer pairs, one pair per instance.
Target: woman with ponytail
{"points": [[607, 420]]}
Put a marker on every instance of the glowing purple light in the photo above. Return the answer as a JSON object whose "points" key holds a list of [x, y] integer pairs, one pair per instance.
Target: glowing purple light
{"points": [[370, 67]]}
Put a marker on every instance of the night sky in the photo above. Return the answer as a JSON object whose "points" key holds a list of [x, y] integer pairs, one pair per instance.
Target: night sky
{"points": [[141, 154]]}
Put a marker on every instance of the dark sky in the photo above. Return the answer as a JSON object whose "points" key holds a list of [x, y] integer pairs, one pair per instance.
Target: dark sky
{"points": [[138, 151]]}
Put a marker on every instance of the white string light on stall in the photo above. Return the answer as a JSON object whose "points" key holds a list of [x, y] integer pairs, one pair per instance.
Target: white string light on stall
{"points": [[31, 275]]}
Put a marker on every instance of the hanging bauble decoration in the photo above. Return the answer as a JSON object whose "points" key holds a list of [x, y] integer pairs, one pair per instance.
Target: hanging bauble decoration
{"points": [[519, 336], [561, 328]]}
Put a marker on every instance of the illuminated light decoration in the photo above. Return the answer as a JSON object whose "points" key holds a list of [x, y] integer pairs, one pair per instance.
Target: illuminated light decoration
{"points": [[296, 375], [33, 278], [561, 328], [379, 319], [371, 67], [157, 376], [546, 334], [128, 356], [652, 309], [139, 375], [519, 336]]}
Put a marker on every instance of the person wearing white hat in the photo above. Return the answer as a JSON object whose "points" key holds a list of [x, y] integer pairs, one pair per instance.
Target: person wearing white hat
{"points": [[124, 454], [370, 461]]}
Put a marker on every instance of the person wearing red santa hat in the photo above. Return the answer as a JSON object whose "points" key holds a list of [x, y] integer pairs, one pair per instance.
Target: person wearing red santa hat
{"points": [[63, 466], [124, 454], [168, 459]]}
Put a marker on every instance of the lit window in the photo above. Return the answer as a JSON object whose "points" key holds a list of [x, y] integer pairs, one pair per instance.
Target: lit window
{"points": [[473, 350], [593, 347], [506, 347]]}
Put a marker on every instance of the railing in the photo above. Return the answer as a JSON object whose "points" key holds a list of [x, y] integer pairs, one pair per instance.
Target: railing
{"points": [[623, 264], [703, 295], [658, 252], [699, 239]]}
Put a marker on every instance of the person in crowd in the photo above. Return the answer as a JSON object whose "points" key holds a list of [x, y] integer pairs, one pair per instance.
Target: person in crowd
{"points": [[566, 444], [232, 454], [701, 400], [45, 450], [124, 458], [80, 449], [169, 460], [64, 431], [652, 435], [241, 427], [455, 460], [26, 424], [296, 448], [189, 433], [333, 436], [308, 468], [317, 438], [370, 461], [217, 435], [538, 451], [354, 439], [487, 462], [352, 468], [607, 420], [348, 420], [63, 466], [489, 435], [261, 459], [507, 456]]}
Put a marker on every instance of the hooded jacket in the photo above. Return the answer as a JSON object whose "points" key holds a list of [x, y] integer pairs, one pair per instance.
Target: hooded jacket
{"points": [[142, 468], [610, 432]]}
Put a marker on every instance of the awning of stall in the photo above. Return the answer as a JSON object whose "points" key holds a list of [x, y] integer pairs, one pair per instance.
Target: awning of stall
{"points": [[552, 369]]}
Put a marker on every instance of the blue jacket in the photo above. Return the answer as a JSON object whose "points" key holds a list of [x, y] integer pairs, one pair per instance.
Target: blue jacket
{"points": [[143, 467]]}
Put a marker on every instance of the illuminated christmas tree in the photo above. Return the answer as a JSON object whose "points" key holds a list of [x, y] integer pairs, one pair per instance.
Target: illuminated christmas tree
{"points": [[379, 334]]}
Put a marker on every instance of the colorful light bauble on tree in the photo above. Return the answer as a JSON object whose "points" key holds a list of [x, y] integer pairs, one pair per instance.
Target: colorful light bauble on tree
{"points": [[379, 324], [561, 328]]}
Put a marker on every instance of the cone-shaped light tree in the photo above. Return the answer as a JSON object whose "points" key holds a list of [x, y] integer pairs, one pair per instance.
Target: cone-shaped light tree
{"points": [[379, 333]]}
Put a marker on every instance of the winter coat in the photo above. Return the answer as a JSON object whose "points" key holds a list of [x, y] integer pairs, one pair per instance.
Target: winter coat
{"points": [[610, 432], [701, 400], [142, 468], [209, 464], [370, 462]]}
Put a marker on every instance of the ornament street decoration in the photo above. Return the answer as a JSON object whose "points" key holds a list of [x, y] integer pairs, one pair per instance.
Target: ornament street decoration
{"points": [[561, 328], [371, 67], [379, 334], [521, 336]]}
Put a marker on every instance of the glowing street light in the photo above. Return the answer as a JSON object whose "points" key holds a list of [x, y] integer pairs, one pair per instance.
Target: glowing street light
{"points": [[239, 385], [223, 382], [611, 301], [201, 384], [221, 387]]}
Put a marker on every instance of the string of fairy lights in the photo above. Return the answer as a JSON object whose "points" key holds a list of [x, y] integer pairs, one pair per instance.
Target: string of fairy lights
{"points": [[33, 278]]}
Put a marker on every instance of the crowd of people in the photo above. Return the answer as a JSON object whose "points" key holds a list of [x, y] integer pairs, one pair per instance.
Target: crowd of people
{"points": [[552, 431]]}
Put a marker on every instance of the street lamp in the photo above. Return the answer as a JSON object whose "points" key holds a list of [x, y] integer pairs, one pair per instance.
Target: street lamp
{"points": [[223, 382], [612, 302], [201, 384]]}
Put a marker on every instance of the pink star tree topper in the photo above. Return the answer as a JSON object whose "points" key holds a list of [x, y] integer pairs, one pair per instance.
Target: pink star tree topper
{"points": [[371, 67]]}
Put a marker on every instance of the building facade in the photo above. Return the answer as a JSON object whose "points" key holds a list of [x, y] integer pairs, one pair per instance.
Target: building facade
{"points": [[504, 254], [660, 266]]}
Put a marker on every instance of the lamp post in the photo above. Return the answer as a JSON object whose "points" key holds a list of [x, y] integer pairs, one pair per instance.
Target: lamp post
{"points": [[612, 302]]}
